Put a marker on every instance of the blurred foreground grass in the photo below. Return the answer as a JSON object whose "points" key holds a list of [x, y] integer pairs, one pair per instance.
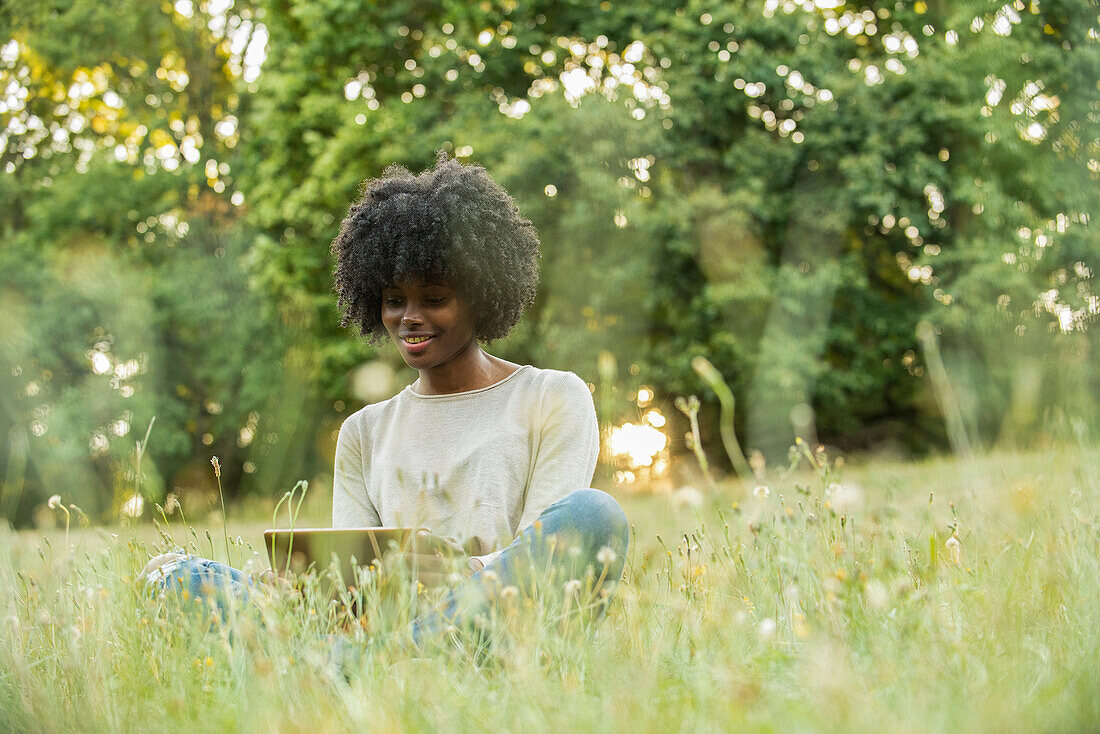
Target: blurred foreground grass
{"points": [[932, 596]]}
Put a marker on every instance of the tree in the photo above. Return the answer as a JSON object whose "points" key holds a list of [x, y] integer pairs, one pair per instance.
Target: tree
{"points": [[809, 181], [124, 259]]}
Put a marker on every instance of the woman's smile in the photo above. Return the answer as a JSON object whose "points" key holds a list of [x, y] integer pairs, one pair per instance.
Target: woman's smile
{"points": [[416, 344]]}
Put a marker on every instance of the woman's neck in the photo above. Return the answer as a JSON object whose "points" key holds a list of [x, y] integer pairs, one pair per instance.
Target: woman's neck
{"points": [[470, 369]]}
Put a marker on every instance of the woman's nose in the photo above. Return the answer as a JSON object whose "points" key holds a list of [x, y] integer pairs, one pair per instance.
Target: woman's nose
{"points": [[411, 315]]}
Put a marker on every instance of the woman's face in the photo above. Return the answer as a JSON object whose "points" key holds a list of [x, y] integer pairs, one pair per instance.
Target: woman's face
{"points": [[429, 322]]}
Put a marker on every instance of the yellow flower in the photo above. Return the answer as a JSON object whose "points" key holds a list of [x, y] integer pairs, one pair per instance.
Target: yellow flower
{"points": [[798, 623]]}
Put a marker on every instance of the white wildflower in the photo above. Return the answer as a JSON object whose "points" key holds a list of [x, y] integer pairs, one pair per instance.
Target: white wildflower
{"points": [[844, 497], [876, 595], [607, 555], [954, 549], [687, 497]]}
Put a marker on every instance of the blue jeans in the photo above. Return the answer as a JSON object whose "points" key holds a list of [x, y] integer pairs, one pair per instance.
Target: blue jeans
{"points": [[578, 545]]}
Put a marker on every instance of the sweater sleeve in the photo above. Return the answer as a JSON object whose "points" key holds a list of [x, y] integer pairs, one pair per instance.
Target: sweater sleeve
{"points": [[351, 507], [568, 445]]}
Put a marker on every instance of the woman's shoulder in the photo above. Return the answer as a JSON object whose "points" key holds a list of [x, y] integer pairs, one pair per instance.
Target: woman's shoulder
{"points": [[561, 384], [539, 383], [360, 421]]}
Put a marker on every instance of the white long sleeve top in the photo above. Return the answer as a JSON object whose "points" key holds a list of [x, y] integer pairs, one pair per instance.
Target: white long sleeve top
{"points": [[475, 466]]}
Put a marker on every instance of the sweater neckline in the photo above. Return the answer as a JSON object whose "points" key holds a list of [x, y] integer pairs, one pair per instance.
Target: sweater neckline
{"points": [[465, 393]]}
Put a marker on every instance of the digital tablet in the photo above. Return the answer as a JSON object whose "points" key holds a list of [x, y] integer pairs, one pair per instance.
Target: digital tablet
{"points": [[293, 552]]}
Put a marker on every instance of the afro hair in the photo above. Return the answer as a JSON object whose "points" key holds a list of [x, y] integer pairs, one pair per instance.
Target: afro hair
{"points": [[450, 224]]}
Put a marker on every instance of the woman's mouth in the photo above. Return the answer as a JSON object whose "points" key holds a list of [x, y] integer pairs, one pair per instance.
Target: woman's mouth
{"points": [[416, 344]]}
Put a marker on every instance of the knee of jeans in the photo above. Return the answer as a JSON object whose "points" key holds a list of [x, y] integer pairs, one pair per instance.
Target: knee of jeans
{"points": [[599, 516]]}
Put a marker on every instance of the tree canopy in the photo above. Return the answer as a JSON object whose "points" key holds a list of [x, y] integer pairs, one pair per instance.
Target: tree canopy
{"points": [[786, 188]]}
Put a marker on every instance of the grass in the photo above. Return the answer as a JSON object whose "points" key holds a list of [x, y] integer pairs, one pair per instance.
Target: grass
{"points": [[832, 602]]}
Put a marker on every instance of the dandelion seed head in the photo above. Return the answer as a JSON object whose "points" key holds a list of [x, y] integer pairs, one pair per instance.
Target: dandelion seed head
{"points": [[844, 497], [954, 550], [687, 497], [607, 555], [876, 595]]}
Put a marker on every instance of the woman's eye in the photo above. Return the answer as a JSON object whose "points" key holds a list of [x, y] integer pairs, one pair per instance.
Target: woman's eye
{"points": [[395, 301]]}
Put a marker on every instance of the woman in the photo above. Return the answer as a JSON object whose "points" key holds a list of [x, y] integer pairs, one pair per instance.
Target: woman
{"points": [[494, 457]]}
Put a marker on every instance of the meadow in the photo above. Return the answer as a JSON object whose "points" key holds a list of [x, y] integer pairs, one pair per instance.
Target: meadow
{"points": [[939, 595]]}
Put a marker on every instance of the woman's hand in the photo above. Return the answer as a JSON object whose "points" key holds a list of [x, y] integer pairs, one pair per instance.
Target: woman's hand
{"points": [[433, 559]]}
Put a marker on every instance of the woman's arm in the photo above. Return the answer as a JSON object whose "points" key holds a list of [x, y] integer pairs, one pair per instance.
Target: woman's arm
{"points": [[351, 506], [567, 450], [568, 445]]}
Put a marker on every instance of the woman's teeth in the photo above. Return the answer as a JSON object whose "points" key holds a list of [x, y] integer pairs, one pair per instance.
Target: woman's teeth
{"points": [[416, 339]]}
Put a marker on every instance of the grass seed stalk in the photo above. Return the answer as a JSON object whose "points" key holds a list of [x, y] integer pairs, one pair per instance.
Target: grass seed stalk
{"points": [[714, 379]]}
